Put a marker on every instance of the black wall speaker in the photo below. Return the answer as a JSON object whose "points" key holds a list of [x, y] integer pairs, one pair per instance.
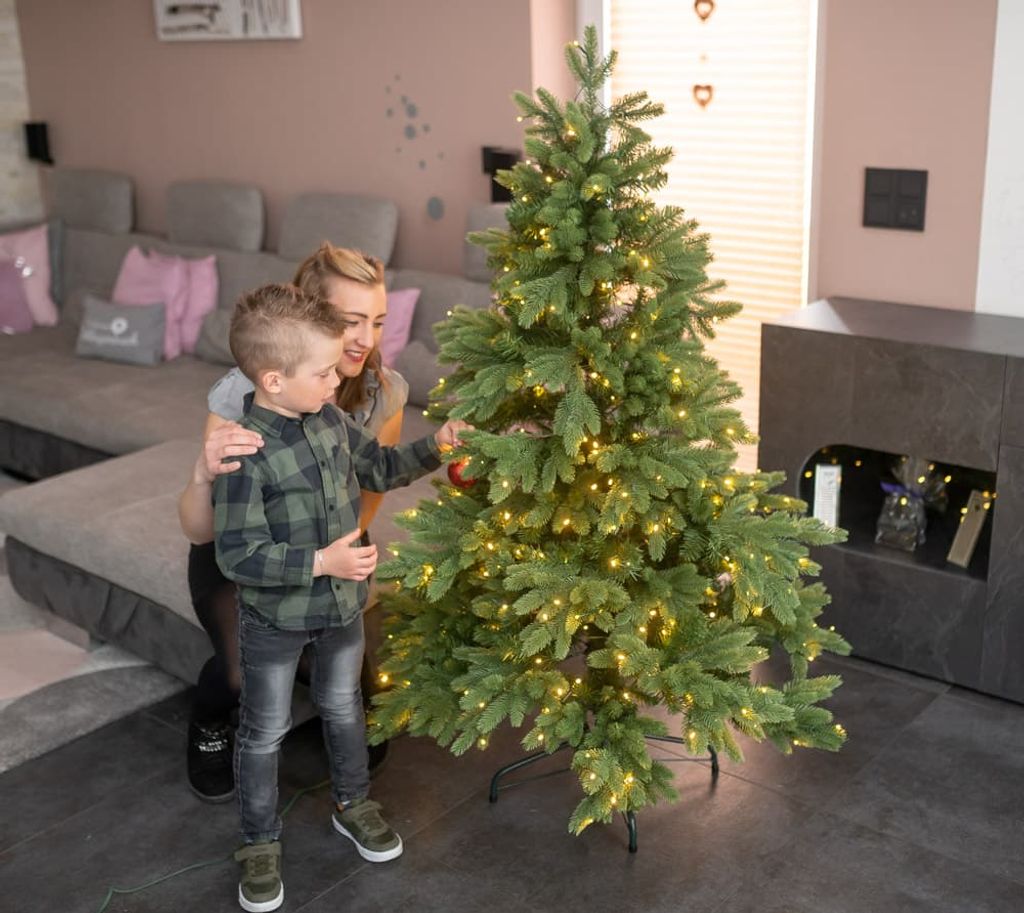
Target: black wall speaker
{"points": [[37, 142], [494, 159]]}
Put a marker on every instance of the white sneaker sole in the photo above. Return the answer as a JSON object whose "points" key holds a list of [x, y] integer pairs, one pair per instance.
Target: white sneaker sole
{"points": [[369, 855], [265, 907]]}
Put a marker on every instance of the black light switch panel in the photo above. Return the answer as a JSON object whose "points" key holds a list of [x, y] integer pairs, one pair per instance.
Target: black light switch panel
{"points": [[894, 198]]}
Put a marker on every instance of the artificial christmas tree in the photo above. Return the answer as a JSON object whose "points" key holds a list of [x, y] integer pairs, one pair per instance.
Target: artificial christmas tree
{"points": [[609, 557]]}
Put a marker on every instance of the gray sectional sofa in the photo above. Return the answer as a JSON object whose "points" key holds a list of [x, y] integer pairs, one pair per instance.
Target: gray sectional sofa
{"points": [[96, 538]]}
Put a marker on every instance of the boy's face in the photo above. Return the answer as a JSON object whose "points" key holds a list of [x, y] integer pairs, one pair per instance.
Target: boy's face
{"points": [[364, 308], [314, 380]]}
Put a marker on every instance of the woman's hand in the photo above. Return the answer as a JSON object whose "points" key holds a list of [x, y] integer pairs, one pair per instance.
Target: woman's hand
{"points": [[447, 436], [346, 561], [228, 439]]}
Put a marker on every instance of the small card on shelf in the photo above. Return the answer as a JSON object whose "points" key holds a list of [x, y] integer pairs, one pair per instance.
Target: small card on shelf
{"points": [[971, 523], [827, 482]]}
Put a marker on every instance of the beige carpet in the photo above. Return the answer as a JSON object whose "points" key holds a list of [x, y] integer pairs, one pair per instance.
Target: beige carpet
{"points": [[55, 683]]}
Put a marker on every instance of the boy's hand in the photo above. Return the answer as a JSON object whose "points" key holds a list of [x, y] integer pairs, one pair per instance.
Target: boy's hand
{"points": [[447, 436], [346, 561], [225, 441]]}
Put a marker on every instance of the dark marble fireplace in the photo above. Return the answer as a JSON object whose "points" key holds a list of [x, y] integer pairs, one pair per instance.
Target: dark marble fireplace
{"points": [[860, 382]]}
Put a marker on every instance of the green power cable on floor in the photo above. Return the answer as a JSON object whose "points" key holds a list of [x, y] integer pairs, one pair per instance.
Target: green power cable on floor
{"points": [[201, 865]]}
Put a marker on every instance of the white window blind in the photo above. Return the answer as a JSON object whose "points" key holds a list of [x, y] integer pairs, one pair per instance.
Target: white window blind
{"points": [[742, 163]]}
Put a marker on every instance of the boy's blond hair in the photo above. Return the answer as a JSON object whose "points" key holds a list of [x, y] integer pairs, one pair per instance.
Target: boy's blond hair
{"points": [[270, 324]]}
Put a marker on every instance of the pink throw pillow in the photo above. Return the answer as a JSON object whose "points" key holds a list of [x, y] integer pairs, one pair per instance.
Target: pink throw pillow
{"points": [[30, 252], [15, 314], [148, 280], [398, 323], [203, 285]]}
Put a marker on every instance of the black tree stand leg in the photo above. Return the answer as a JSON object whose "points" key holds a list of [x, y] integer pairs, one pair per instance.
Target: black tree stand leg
{"points": [[629, 817], [522, 762]]}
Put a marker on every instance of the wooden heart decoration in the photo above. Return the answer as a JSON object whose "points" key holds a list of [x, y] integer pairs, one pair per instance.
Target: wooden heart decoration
{"points": [[703, 95], [704, 8]]}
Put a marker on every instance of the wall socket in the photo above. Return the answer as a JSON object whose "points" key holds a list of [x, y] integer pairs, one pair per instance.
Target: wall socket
{"points": [[894, 198]]}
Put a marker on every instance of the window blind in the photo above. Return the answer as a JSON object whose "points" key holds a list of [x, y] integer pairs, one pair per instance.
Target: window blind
{"points": [[742, 163]]}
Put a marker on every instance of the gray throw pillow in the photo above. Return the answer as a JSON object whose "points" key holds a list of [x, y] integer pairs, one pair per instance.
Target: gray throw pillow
{"points": [[212, 344], [117, 332], [418, 365]]}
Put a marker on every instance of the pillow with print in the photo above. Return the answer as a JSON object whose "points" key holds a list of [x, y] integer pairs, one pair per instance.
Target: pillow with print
{"points": [[15, 316], [129, 333], [29, 251]]}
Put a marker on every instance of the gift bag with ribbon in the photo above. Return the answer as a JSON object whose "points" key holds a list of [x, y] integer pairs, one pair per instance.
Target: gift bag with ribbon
{"points": [[903, 521]]}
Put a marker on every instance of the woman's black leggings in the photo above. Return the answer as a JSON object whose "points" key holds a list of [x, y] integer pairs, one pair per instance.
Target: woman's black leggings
{"points": [[215, 600]]}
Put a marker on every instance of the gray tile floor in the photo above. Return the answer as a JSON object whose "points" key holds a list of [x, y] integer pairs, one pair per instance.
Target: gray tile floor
{"points": [[922, 811]]}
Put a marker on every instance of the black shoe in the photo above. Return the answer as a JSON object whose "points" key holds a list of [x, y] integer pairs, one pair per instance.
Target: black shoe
{"points": [[211, 774], [378, 755]]}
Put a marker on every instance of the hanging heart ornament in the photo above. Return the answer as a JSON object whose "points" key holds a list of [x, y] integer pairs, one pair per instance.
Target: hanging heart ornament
{"points": [[703, 95], [704, 8]]}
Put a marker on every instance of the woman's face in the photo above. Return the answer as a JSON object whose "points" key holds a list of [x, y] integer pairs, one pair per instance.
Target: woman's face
{"points": [[364, 308]]}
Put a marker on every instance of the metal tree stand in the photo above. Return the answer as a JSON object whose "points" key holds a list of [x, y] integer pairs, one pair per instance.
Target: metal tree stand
{"points": [[630, 816]]}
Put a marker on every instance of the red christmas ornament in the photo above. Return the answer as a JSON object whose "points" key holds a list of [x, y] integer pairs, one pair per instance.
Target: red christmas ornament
{"points": [[455, 471]]}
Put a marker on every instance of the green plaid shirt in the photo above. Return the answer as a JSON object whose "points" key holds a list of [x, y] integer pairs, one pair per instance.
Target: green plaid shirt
{"points": [[297, 494]]}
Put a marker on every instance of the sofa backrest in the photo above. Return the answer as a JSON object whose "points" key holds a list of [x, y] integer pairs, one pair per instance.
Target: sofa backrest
{"points": [[474, 257], [215, 214], [98, 200], [439, 293], [347, 220], [203, 218], [227, 220]]}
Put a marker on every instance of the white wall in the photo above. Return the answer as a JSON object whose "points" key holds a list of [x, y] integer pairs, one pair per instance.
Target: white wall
{"points": [[19, 181], [1001, 257]]}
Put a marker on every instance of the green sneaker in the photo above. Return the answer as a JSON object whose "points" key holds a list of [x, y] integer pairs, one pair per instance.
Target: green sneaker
{"points": [[260, 889], [362, 823]]}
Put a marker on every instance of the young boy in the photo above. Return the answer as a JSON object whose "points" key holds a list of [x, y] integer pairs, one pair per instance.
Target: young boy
{"points": [[285, 526]]}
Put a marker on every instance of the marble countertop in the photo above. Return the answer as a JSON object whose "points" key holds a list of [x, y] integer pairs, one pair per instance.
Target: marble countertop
{"points": [[965, 330]]}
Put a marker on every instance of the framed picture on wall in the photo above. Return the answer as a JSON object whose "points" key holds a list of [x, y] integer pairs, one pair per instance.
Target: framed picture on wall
{"points": [[227, 20]]}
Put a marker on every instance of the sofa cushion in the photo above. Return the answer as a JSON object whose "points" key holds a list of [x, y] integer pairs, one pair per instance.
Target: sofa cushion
{"points": [[398, 325], [55, 230], [117, 520], [200, 297], [145, 280], [29, 251], [237, 272], [215, 213], [368, 224], [213, 345], [112, 408], [418, 365], [15, 314], [14, 349], [439, 293], [129, 333], [474, 257], [92, 259], [98, 200]]}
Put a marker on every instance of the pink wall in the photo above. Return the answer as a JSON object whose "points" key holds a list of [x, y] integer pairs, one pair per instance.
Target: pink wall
{"points": [[290, 116], [906, 86], [552, 26]]}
